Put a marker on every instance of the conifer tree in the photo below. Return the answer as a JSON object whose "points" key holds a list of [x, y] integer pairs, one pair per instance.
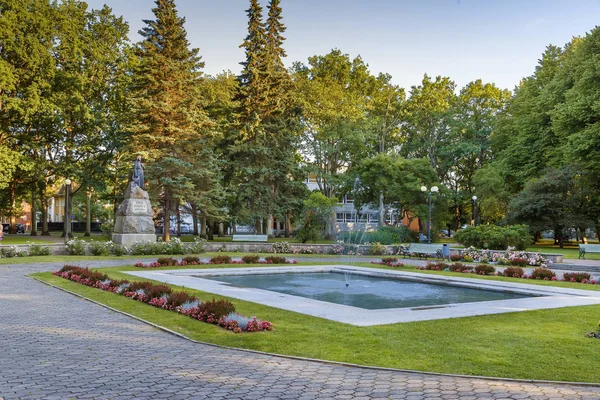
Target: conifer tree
{"points": [[171, 125], [263, 154]]}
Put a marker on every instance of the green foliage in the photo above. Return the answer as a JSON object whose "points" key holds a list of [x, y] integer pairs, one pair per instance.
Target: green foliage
{"points": [[377, 249], [484, 269], [495, 237], [119, 250], [99, 248], [318, 211], [76, 247], [38, 250]]}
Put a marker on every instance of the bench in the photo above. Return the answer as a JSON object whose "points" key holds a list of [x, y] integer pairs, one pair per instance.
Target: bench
{"points": [[250, 238], [422, 249], [588, 248]]}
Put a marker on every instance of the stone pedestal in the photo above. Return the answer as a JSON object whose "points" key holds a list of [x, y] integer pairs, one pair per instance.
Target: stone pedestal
{"points": [[133, 220]]}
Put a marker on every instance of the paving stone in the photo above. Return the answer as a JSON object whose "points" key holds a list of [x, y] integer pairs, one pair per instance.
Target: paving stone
{"points": [[55, 345]]}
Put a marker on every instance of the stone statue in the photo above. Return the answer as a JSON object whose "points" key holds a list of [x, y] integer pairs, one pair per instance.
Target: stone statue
{"points": [[138, 172]]}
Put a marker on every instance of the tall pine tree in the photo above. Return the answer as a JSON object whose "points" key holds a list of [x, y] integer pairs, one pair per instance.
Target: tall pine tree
{"points": [[170, 121], [264, 153]]}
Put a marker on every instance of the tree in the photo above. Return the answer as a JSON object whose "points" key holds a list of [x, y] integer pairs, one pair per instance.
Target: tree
{"points": [[549, 203], [317, 212], [170, 122], [399, 180], [334, 95], [428, 118], [263, 153]]}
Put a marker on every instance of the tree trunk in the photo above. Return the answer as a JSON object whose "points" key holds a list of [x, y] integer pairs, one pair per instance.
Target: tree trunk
{"points": [[44, 204], [234, 227], [167, 218], [258, 226], [203, 227], [286, 226], [195, 219], [381, 218], [88, 213], [269, 226], [178, 214], [221, 230], [33, 211], [211, 229], [276, 222], [13, 203]]}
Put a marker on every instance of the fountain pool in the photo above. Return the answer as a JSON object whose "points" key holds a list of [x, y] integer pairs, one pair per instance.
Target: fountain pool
{"points": [[373, 296]]}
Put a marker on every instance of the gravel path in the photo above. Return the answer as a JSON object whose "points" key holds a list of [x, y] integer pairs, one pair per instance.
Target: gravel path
{"points": [[57, 346]]}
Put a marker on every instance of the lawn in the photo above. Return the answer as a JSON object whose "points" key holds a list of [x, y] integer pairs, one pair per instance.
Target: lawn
{"points": [[544, 344]]}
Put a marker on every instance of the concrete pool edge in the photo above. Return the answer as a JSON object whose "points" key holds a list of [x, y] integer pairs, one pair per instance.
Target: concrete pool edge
{"points": [[553, 297]]}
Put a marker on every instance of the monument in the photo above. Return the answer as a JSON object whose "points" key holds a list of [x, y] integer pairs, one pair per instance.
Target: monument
{"points": [[133, 220]]}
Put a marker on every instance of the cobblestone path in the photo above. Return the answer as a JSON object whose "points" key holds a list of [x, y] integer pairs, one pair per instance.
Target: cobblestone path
{"points": [[56, 346]]}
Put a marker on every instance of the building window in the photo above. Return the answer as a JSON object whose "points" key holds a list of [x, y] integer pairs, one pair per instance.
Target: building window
{"points": [[339, 217]]}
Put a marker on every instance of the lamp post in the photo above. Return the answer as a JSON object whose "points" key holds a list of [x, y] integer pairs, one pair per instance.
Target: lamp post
{"points": [[473, 220], [67, 220], [433, 189]]}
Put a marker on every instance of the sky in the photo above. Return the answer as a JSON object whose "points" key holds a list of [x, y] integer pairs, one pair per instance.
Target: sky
{"points": [[498, 41]]}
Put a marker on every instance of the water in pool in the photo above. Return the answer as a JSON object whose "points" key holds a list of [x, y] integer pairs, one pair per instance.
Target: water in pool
{"points": [[364, 291]]}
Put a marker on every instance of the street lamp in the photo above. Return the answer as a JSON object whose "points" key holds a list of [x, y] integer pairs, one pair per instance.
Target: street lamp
{"points": [[434, 189], [473, 221], [67, 220]]}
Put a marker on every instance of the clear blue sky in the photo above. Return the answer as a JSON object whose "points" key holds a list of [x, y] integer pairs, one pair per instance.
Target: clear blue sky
{"points": [[498, 41]]}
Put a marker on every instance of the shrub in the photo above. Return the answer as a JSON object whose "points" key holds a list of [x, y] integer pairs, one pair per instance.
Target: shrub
{"points": [[455, 257], [467, 259], [159, 290], [519, 262], [438, 266], [119, 250], [484, 269], [139, 285], [218, 308], [177, 299], [98, 248], [37, 250], [252, 259], [543, 273], [495, 237], [8, 252], [221, 260], [166, 261], [191, 260], [460, 267], [514, 272], [197, 246], [389, 260], [399, 234], [275, 260], [281, 247], [145, 248], [76, 247], [576, 277], [377, 249], [174, 246]]}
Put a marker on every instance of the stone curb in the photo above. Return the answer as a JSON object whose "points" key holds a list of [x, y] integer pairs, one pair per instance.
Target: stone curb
{"points": [[340, 363]]}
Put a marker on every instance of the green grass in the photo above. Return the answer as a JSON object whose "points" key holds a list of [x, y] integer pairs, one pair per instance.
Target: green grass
{"points": [[544, 344], [9, 240]]}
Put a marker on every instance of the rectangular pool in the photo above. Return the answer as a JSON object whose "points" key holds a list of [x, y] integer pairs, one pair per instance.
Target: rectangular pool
{"points": [[367, 292]]}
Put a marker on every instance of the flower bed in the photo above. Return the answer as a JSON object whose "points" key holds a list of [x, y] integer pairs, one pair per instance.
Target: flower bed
{"points": [[217, 312], [389, 261], [540, 273], [186, 261], [510, 257]]}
